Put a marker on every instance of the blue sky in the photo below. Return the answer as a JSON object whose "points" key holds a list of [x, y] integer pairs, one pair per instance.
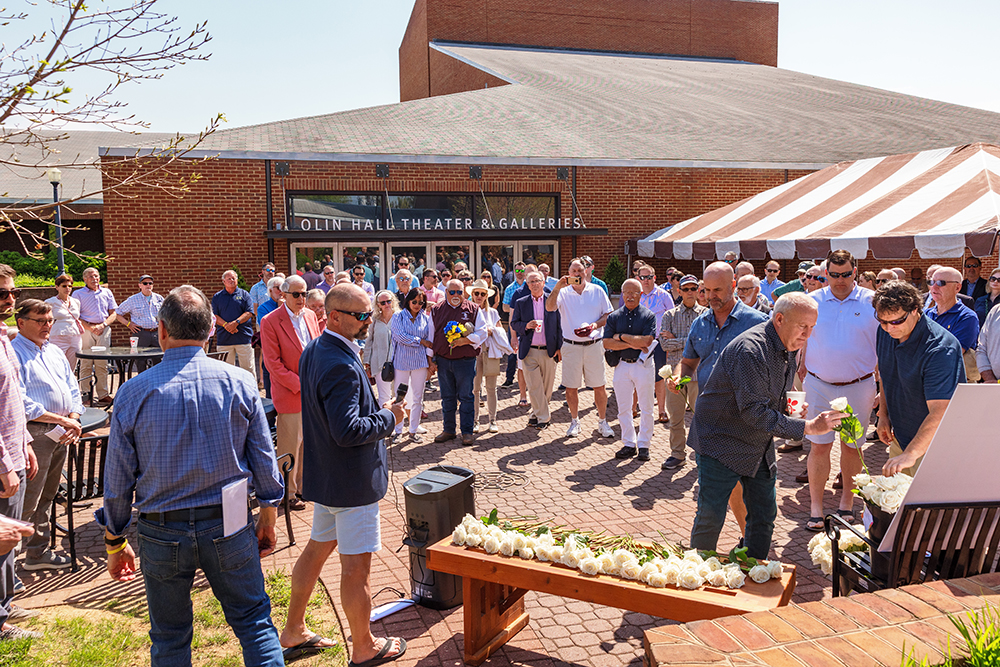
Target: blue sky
{"points": [[277, 61]]}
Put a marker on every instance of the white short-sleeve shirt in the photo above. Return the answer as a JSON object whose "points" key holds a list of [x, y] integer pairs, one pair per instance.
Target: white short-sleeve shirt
{"points": [[579, 309], [842, 345]]}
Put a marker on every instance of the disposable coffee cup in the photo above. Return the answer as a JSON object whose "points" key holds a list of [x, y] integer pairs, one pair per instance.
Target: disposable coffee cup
{"points": [[134, 342], [538, 326], [796, 403]]}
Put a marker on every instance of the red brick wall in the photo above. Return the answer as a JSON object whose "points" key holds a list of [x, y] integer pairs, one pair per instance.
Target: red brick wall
{"points": [[707, 28]]}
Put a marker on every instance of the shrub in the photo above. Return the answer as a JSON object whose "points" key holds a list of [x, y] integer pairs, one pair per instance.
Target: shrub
{"points": [[45, 267], [615, 274]]}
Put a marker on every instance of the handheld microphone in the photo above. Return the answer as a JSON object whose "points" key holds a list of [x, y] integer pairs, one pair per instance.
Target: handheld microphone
{"points": [[401, 393]]}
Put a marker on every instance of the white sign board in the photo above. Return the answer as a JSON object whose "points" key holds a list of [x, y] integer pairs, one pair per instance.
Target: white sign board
{"points": [[963, 463]]}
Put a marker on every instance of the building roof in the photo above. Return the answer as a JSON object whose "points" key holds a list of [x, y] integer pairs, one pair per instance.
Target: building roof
{"points": [[23, 179], [937, 201], [608, 109]]}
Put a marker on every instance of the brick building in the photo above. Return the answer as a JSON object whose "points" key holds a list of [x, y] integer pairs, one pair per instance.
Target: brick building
{"points": [[539, 130]]}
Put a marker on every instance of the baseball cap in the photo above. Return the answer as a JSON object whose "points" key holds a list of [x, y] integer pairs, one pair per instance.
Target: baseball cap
{"points": [[805, 266], [145, 276], [689, 280]]}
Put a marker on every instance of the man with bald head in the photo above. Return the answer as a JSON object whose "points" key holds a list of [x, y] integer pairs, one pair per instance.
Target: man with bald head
{"points": [[740, 411], [629, 336], [233, 309], [344, 473], [954, 316], [710, 333], [456, 360]]}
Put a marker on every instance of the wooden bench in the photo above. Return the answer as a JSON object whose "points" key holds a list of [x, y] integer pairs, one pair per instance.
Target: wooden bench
{"points": [[493, 589]]}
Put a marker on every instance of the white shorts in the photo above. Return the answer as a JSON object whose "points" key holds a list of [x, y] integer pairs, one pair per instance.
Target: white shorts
{"points": [[357, 530], [582, 363], [860, 395]]}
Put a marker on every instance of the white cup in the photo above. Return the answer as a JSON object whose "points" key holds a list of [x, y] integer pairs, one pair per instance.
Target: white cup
{"points": [[796, 403], [538, 326], [134, 342]]}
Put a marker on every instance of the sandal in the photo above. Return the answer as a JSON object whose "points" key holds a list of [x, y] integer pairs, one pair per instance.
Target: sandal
{"points": [[523, 403], [664, 419], [381, 657], [815, 524], [309, 647], [846, 514]]}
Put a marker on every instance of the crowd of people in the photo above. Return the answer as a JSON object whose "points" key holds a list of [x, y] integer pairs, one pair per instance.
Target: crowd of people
{"points": [[332, 353]]}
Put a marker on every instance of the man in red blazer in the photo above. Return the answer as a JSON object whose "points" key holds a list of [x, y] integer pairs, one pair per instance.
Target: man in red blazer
{"points": [[284, 333]]}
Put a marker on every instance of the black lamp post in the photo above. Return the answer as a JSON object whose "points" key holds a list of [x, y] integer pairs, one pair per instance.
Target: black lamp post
{"points": [[55, 176]]}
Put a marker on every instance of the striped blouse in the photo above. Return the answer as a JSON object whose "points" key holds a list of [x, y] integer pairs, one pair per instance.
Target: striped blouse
{"points": [[407, 332]]}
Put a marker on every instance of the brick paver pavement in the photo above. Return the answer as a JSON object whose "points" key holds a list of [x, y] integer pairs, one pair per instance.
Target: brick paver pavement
{"points": [[575, 481]]}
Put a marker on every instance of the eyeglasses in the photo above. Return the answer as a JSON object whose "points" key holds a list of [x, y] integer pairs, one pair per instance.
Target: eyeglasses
{"points": [[941, 283], [360, 317], [297, 295], [820, 279], [689, 289], [384, 302], [842, 274], [893, 323], [4, 293], [454, 292], [647, 277], [45, 322], [744, 290], [147, 283]]}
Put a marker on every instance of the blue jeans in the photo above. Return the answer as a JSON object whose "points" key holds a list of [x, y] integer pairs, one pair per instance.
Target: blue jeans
{"points": [[170, 555], [716, 482], [457, 377]]}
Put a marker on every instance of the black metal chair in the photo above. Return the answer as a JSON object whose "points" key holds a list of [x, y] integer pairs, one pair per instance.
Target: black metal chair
{"points": [[221, 356], [932, 541], [84, 480]]}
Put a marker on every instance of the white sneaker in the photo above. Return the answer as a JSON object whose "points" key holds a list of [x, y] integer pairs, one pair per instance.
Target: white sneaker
{"points": [[494, 428], [605, 429], [476, 428], [574, 429], [420, 429]]}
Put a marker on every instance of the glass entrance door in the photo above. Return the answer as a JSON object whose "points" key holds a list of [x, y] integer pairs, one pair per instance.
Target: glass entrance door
{"points": [[497, 259], [453, 256], [341, 256], [409, 256]]}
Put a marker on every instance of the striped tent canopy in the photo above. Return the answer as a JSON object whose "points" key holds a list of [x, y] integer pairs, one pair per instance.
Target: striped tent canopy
{"points": [[938, 201]]}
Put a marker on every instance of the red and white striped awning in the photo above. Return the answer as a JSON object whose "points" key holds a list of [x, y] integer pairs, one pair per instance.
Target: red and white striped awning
{"points": [[938, 201]]}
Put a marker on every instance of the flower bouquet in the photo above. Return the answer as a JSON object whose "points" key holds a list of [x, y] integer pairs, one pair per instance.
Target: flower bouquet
{"points": [[453, 331], [592, 554], [820, 548], [883, 497]]}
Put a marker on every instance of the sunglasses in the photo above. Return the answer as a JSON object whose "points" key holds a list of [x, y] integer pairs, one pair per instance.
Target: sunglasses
{"points": [[360, 317], [972, 266], [995, 279], [384, 303], [4, 293], [648, 277], [843, 274], [297, 295], [147, 283], [453, 292], [941, 283], [893, 323], [330, 273], [478, 294], [820, 279], [417, 302], [772, 270], [518, 270], [882, 281], [689, 289]]}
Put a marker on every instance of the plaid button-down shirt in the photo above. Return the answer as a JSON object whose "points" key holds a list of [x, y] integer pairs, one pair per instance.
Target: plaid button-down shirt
{"points": [[677, 321]]}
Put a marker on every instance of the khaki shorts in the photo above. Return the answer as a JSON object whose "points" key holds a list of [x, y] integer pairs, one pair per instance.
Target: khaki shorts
{"points": [[895, 450], [582, 363]]}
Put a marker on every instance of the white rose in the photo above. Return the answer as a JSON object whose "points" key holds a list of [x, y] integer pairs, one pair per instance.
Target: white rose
{"points": [[657, 580], [716, 578], [826, 564], [887, 483], [690, 579], [623, 556], [672, 560], [571, 559], [759, 574], [527, 553], [571, 543], [692, 556], [840, 404], [555, 553], [672, 573], [473, 540], [507, 547], [608, 564], [542, 553], [775, 569], [890, 501], [519, 540], [476, 529], [862, 480], [648, 570], [630, 569], [496, 531], [586, 553], [458, 536], [817, 539], [545, 539], [818, 554], [590, 566], [735, 578], [491, 544], [468, 521]]}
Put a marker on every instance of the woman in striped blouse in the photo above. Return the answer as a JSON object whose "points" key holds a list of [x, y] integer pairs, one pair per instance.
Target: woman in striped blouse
{"points": [[411, 330]]}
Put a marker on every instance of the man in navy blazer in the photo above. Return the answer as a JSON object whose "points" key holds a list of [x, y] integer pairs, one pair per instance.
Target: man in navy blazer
{"points": [[344, 473], [537, 347]]}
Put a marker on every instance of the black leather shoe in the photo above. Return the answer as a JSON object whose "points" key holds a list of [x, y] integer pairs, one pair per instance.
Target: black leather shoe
{"points": [[625, 452], [532, 421]]}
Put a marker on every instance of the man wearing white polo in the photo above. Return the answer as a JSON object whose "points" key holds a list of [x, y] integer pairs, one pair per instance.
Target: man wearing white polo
{"points": [[584, 308], [840, 360]]}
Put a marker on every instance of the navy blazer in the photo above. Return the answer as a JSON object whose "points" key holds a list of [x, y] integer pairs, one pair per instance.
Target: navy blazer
{"points": [[522, 313], [343, 428]]}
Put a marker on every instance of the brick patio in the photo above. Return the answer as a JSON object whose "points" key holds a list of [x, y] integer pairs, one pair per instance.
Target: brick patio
{"points": [[576, 482]]}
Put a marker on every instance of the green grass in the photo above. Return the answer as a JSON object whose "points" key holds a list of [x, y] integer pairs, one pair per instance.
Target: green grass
{"points": [[117, 635]]}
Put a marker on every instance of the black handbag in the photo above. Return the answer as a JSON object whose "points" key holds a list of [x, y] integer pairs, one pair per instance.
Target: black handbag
{"points": [[388, 370]]}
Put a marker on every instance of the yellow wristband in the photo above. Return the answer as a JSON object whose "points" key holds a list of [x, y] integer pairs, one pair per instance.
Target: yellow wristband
{"points": [[120, 547]]}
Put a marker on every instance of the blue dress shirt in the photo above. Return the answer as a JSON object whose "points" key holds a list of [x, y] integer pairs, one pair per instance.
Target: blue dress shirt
{"points": [[47, 381], [706, 340]]}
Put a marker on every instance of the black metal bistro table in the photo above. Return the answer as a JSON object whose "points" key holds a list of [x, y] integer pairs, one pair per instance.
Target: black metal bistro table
{"points": [[124, 359], [93, 418]]}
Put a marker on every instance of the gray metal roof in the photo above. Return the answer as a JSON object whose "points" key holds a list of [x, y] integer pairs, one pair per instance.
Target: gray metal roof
{"points": [[22, 172], [587, 108]]}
